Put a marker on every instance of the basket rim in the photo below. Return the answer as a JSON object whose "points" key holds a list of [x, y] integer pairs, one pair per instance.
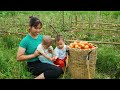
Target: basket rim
{"points": [[84, 49]]}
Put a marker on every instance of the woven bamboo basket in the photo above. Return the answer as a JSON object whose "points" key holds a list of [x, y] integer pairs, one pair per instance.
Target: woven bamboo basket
{"points": [[78, 63]]}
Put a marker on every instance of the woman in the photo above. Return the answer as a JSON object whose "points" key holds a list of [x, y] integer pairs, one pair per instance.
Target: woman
{"points": [[26, 52]]}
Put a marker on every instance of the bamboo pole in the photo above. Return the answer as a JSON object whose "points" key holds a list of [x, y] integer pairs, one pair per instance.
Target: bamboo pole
{"points": [[115, 30], [97, 42], [2, 32], [93, 32], [98, 23]]}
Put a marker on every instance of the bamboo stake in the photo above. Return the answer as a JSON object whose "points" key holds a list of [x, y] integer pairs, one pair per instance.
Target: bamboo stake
{"points": [[98, 23], [12, 32], [63, 20], [65, 67], [76, 20]]}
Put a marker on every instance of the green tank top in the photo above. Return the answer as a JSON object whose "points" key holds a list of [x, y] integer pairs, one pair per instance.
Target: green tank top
{"points": [[30, 44]]}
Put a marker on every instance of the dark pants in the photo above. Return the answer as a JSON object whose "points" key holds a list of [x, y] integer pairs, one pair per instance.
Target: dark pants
{"points": [[50, 71]]}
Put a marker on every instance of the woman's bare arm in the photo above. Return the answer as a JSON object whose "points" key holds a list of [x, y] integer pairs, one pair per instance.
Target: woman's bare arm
{"points": [[22, 57]]}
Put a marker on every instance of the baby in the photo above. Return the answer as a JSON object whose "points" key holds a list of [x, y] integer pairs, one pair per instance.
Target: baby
{"points": [[46, 50], [60, 51]]}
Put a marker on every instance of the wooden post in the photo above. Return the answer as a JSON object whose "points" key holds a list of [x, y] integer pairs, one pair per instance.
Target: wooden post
{"points": [[89, 21], [70, 21], [98, 19], [63, 20], [76, 19]]}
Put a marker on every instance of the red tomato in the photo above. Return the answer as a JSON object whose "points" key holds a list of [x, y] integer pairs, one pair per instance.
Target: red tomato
{"points": [[86, 47]]}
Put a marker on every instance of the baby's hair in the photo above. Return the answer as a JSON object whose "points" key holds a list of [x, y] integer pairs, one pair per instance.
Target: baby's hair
{"points": [[30, 16], [34, 21], [58, 38], [46, 40]]}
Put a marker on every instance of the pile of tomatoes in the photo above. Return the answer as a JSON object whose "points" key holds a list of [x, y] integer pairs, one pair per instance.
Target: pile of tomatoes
{"points": [[81, 45]]}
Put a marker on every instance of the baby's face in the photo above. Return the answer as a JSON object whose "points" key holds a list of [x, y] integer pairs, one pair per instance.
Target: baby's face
{"points": [[60, 44], [46, 46]]}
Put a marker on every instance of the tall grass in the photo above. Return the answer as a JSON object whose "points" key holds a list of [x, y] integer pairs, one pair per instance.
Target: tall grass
{"points": [[10, 68], [108, 59]]}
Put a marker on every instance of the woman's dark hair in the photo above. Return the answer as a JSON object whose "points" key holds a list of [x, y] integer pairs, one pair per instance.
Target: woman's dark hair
{"points": [[34, 21], [58, 38]]}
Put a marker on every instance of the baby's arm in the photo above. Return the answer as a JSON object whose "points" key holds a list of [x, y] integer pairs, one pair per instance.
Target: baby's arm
{"points": [[53, 54], [67, 54], [67, 50], [46, 56], [56, 53]]}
